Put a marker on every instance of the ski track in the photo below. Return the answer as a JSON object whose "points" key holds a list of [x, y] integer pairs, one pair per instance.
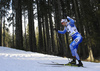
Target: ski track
{"points": [[18, 60]]}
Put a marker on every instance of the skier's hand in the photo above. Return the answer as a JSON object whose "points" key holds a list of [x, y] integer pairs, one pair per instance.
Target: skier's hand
{"points": [[65, 15], [55, 29]]}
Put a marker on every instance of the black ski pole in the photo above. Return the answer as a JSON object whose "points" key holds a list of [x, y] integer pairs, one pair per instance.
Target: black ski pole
{"points": [[59, 39]]}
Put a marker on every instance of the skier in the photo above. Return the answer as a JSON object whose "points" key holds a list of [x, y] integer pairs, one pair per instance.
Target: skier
{"points": [[77, 38]]}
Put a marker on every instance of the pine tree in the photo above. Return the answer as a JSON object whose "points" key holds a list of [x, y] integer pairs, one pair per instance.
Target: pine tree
{"points": [[19, 37], [32, 38]]}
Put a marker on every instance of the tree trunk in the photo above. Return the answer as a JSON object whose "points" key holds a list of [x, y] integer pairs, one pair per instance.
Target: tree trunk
{"points": [[13, 33], [40, 43], [1, 31], [4, 32], [51, 28], [32, 39], [25, 31], [57, 7], [19, 37], [48, 50], [48, 47], [90, 58], [44, 35]]}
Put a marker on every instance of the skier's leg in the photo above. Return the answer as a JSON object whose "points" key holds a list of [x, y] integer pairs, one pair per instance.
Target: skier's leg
{"points": [[73, 53], [76, 54], [77, 57], [77, 41], [74, 47]]}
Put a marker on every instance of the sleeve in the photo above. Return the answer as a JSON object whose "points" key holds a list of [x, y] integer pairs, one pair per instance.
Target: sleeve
{"points": [[62, 32], [71, 21]]}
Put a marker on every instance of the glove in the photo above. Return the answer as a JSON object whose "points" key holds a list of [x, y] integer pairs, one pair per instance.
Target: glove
{"points": [[55, 29], [65, 15]]}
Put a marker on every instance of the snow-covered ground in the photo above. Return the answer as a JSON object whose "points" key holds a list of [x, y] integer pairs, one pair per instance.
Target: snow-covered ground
{"points": [[18, 60]]}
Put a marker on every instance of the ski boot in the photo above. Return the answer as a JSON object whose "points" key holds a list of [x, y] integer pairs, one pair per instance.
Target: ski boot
{"points": [[73, 62], [80, 63]]}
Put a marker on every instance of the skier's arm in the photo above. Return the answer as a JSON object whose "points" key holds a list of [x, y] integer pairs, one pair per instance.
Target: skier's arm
{"points": [[71, 21], [62, 32]]}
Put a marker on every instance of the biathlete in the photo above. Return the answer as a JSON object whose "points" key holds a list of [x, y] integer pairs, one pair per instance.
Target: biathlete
{"points": [[77, 38]]}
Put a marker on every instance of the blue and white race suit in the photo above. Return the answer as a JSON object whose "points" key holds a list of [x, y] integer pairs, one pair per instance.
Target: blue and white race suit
{"points": [[73, 32]]}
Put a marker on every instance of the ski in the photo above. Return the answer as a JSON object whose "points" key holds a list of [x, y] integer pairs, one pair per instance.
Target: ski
{"points": [[59, 64], [55, 63], [67, 64]]}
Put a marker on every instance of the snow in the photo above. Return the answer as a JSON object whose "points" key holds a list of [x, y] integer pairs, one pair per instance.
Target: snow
{"points": [[18, 60]]}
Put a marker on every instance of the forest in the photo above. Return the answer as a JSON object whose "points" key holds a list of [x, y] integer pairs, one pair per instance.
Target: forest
{"points": [[33, 21]]}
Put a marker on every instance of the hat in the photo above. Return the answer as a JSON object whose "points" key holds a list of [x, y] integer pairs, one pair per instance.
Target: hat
{"points": [[63, 20]]}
